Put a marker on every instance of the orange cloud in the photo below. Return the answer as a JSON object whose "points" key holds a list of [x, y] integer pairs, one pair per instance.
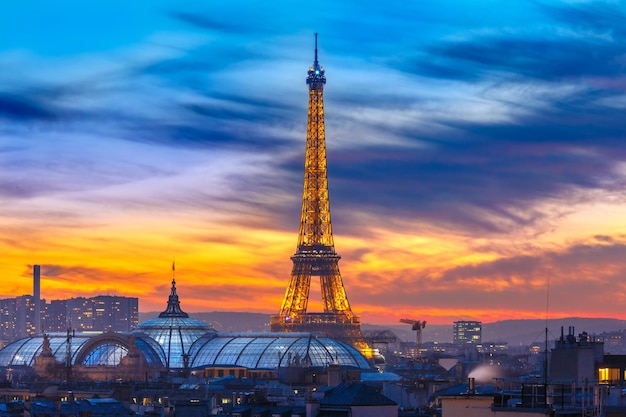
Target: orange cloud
{"points": [[226, 261]]}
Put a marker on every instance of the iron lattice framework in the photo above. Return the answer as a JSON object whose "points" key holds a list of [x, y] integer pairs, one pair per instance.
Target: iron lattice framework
{"points": [[315, 254]]}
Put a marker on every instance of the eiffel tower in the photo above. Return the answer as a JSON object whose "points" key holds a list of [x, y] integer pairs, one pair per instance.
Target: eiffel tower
{"points": [[315, 254]]}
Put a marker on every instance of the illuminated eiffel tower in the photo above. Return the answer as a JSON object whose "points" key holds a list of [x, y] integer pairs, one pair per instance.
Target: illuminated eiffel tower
{"points": [[315, 255]]}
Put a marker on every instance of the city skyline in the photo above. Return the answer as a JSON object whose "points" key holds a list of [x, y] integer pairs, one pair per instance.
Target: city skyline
{"points": [[475, 163]]}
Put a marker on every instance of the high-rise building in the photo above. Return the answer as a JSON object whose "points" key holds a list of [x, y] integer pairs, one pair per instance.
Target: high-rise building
{"points": [[79, 314], [467, 332], [315, 254], [54, 316], [111, 313], [8, 319], [25, 314], [102, 313], [17, 317]]}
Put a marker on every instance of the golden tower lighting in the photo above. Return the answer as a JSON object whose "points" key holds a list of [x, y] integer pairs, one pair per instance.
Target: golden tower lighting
{"points": [[315, 254]]}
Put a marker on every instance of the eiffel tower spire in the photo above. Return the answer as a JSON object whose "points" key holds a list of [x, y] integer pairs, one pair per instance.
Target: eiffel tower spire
{"points": [[315, 254], [315, 228]]}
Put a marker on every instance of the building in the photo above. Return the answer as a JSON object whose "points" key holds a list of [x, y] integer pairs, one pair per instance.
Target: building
{"points": [[102, 313], [175, 332], [467, 333], [8, 322], [55, 316], [28, 314], [114, 313], [108, 407], [353, 400], [524, 398], [79, 314], [17, 317], [576, 358]]}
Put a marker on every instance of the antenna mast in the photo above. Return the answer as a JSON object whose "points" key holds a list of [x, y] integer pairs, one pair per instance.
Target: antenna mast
{"points": [[316, 64]]}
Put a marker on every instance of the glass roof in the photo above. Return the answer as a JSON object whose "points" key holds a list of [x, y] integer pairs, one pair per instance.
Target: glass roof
{"points": [[175, 322], [271, 350], [250, 350], [108, 354], [152, 351], [174, 331], [174, 341], [109, 351], [23, 351]]}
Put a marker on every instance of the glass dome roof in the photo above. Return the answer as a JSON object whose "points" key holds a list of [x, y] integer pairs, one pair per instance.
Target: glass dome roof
{"points": [[109, 348], [273, 350], [23, 351], [175, 331]]}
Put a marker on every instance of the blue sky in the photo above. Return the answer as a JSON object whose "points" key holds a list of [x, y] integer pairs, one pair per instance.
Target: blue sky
{"points": [[475, 151]]}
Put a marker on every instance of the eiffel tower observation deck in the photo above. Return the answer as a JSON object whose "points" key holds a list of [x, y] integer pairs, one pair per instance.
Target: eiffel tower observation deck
{"points": [[315, 254]]}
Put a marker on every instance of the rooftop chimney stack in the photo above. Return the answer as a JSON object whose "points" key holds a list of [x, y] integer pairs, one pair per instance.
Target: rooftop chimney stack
{"points": [[37, 297]]}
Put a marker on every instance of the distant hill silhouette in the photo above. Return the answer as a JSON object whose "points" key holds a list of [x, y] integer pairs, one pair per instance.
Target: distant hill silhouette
{"points": [[226, 321], [514, 332], [524, 332]]}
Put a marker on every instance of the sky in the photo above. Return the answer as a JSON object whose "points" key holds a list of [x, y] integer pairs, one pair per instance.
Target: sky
{"points": [[475, 151]]}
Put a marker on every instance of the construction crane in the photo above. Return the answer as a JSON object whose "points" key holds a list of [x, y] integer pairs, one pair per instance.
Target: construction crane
{"points": [[416, 325]]}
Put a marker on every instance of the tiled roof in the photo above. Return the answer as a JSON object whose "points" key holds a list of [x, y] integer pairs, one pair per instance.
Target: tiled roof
{"points": [[355, 395]]}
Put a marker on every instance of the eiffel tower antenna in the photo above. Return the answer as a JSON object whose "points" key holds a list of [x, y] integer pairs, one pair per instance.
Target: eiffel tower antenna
{"points": [[316, 64], [315, 253]]}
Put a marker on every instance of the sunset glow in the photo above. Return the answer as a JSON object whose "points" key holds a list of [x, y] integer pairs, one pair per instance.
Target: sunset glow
{"points": [[476, 154]]}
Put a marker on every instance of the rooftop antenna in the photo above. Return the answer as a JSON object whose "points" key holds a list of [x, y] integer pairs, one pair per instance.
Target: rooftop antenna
{"points": [[316, 64], [545, 363]]}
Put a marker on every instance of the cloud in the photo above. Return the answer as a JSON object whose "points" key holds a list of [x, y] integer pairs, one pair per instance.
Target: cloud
{"points": [[548, 131], [209, 21], [488, 185], [583, 277], [576, 41], [21, 108], [604, 18], [464, 129]]}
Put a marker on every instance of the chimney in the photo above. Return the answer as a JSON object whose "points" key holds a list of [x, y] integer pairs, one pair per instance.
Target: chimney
{"points": [[37, 297], [471, 385]]}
